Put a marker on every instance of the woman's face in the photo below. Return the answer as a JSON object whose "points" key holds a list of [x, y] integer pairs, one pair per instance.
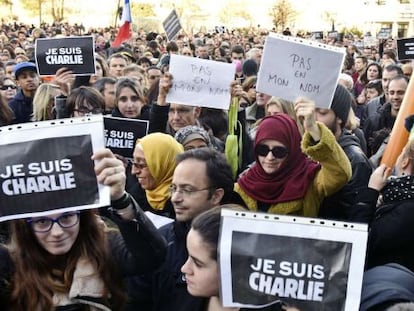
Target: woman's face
{"points": [[141, 171], [269, 162], [8, 90], [195, 144], [129, 103], [372, 73], [273, 108], [201, 271], [58, 240]]}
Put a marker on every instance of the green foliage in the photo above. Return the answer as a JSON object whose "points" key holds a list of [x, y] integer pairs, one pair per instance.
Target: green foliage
{"points": [[352, 30], [142, 10], [282, 13]]}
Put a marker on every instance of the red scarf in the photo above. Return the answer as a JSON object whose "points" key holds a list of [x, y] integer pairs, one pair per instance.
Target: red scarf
{"points": [[292, 179]]}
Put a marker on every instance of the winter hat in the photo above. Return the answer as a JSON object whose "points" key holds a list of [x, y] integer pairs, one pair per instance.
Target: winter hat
{"points": [[250, 68], [341, 103]]}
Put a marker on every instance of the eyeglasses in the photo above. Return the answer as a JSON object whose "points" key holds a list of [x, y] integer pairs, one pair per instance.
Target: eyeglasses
{"points": [[8, 87], [278, 152], [45, 224], [186, 191], [153, 77], [86, 111], [139, 166]]}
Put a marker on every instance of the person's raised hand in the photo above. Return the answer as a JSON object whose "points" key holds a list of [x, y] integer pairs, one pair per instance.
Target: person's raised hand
{"points": [[110, 171]]}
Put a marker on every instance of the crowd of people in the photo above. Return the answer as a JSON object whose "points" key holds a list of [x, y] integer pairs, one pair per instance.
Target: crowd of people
{"points": [[296, 159]]}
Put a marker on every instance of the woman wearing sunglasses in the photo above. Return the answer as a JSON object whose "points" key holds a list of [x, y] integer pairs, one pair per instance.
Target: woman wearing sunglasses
{"points": [[8, 89], [71, 261], [285, 180]]}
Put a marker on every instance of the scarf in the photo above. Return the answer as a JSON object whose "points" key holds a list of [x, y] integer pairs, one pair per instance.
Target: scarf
{"points": [[160, 151], [398, 189], [292, 179]]}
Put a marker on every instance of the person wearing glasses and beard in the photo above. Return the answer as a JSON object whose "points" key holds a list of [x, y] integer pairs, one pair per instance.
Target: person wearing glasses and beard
{"points": [[285, 180]]}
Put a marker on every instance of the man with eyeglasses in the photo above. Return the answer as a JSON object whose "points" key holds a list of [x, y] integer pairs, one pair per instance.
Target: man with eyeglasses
{"points": [[28, 80], [191, 194]]}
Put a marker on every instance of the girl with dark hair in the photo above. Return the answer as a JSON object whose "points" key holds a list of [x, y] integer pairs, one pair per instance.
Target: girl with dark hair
{"points": [[129, 100], [71, 261], [372, 72], [201, 268]]}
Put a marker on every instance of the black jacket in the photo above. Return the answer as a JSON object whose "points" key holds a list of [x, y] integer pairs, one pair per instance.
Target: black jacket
{"points": [[136, 248], [22, 107], [386, 285], [339, 205], [166, 289], [390, 237]]}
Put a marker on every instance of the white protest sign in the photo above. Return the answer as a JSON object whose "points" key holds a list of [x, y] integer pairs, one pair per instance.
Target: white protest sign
{"points": [[46, 166], [313, 264], [200, 82], [294, 67]]}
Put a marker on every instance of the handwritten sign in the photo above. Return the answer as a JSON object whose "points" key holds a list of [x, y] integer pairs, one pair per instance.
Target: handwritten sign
{"points": [[293, 67], [122, 133], [405, 48], [46, 166], [200, 82], [313, 264], [74, 53]]}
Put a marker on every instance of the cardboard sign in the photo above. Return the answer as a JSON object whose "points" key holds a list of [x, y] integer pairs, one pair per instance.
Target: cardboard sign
{"points": [[384, 33], [313, 264], [46, 166], [74, 53], [172, 25], [121, 134], [293, 67], [200, 82], [405, 48]]}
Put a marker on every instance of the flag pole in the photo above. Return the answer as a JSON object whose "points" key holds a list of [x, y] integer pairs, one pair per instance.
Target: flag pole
{"points": [[117, 13]]}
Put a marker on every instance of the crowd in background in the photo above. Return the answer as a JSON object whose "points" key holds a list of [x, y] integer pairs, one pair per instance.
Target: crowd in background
{"points": [[296, 159]]}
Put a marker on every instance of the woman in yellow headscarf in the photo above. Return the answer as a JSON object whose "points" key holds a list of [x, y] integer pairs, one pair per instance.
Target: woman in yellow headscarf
{"points": [[154, 165]]}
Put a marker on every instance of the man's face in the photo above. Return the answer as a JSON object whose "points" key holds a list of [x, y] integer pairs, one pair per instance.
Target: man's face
{"points": [[109, 95], [9, 71], [192, 194], [386, 77], [182, 115], [396, 91], [153, 74], [359, 65], [237, 56], [116, 66], [327, 117], [28, 81], [202, 52]]}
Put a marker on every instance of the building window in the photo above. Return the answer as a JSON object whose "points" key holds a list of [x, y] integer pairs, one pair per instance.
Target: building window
{"points": [[404, 1], [381, 2]]}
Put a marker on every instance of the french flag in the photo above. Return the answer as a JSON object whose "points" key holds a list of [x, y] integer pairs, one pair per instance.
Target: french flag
{"points": [[124, 32]]}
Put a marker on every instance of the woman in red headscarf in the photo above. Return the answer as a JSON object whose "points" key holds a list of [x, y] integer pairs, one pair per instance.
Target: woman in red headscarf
{"points": [[292, 174]]}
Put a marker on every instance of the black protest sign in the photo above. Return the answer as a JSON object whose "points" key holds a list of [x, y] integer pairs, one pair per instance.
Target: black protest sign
{"points": [[311, 274], [121, 134], [74, 53], [172, 25], [405, 48], [47, 174], [312, 264]]}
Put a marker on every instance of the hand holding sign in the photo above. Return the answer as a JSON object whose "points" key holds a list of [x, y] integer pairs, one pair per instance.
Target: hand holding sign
{"points": [[166, 82], [305, 111], [110, 171]]}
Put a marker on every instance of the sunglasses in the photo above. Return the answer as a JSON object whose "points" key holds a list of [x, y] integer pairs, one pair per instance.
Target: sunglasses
{"points": [[8, 87], [278, 152]]}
